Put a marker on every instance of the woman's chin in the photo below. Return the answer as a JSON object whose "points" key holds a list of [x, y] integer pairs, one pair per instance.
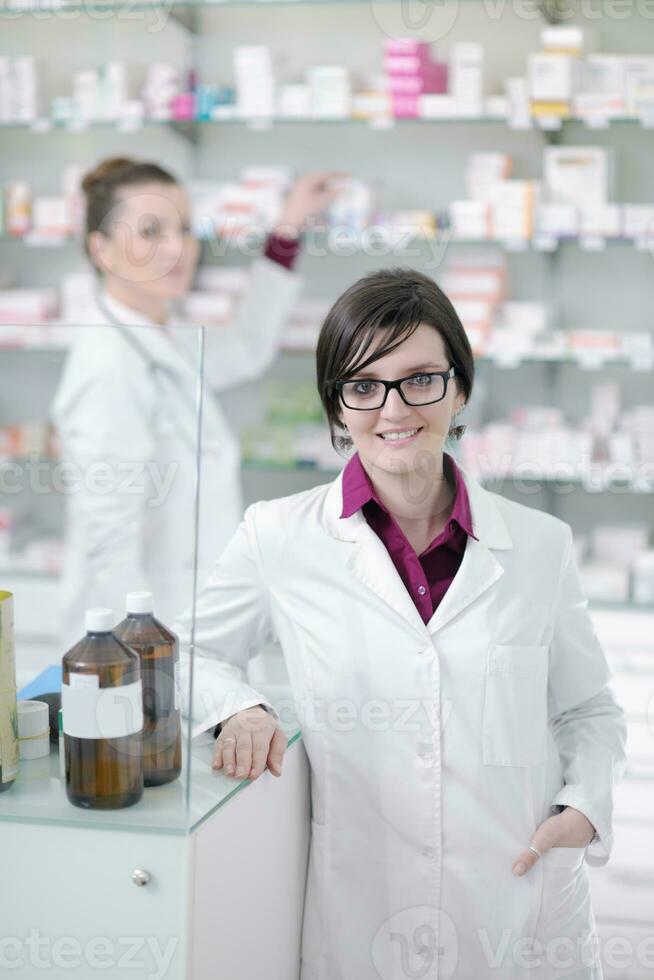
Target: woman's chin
{"points": [[393, 459], [169, 288]]}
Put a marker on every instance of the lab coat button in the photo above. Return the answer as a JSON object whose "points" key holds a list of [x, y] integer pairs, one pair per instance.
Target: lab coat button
{"points": [[421, 590], [428, 852]]}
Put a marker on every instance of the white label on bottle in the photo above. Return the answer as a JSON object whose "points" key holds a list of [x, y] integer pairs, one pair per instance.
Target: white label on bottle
{"points": [[90, 711], [177, 685], [84, 680]]}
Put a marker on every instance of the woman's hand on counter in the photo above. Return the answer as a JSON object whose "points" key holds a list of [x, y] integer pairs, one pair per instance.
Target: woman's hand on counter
{"points": [[308, 196], [248, 742], [570, 828]]}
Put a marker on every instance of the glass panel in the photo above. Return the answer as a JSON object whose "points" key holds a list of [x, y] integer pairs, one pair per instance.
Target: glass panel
{"points": [[99, 430], [230, 660]]}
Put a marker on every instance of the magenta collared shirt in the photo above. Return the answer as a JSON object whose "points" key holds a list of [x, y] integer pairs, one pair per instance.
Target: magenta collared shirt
{"points": [[427, 576]]}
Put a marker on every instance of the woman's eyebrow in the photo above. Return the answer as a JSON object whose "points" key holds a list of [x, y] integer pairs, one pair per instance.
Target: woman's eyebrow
{"points": [[409, 371]]}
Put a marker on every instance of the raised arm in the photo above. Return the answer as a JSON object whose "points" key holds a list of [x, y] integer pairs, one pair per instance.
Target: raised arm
{"points": [[243, 350]]}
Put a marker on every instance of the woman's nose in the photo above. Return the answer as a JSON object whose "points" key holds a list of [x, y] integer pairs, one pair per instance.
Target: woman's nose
{"points": [[395, 407], [174, 241]]}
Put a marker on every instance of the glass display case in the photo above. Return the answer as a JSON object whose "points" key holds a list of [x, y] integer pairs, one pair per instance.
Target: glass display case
{"points": [[102, 496]]}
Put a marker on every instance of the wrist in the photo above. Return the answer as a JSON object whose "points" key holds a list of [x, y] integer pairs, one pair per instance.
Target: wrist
{"points": [[221, 724], [288, 231]]}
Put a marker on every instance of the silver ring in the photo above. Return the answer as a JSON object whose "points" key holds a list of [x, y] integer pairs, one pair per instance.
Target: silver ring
{"points": [[230, 739], [535, 850]]}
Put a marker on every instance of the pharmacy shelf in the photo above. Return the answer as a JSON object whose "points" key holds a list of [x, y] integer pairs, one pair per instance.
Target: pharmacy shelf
{"points": [[381, 235], [115, 5], [604, 605], [552, 11], [597, 481], [399, 240], [593, 482], [35, 458], [36, 574], [548, 8], [590, 360], [545, 123], [75, 127], [41, 350]]}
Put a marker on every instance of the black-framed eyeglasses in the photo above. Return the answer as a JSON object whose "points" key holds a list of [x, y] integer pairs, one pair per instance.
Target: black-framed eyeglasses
{"points": [[369, 394]]}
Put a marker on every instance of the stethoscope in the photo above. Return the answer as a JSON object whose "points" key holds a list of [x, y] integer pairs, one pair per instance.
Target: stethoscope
{"points": [[155, 367]]}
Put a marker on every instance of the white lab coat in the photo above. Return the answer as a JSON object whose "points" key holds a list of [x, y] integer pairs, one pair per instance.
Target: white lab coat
{"points": [[435, 750], [126, 419]]}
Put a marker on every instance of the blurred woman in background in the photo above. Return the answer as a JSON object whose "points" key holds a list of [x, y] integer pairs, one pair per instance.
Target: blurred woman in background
{"points": [[126, 410]]}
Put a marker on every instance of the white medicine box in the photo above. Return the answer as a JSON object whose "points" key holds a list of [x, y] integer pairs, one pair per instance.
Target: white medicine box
{"points": [[553, 77]]}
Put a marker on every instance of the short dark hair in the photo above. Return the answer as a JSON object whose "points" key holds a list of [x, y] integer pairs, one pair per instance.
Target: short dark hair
{"points": [[396, 300], [101, 185]]}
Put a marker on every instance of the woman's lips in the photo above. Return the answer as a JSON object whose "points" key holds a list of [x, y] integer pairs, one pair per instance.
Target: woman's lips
{"points": [[400, 442]]}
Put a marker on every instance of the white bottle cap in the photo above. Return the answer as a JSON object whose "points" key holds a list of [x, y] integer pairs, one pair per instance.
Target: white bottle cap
{"points": [[99, 620], [139, 602]]}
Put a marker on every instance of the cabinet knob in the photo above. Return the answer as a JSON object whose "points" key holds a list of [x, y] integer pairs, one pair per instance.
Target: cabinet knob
{"points": [[140, 877]]}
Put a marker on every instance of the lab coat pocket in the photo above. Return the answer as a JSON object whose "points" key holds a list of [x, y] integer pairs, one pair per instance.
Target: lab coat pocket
{"points": [[566, 922], [564, 857], [514, 729]]}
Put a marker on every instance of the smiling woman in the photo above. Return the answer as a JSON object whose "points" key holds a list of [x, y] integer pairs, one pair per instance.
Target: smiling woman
{"points": [[371, 320], [394, 368], [405, 584]]}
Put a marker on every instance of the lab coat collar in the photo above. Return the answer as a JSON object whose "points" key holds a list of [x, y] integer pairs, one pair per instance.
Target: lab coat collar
{"points": [[490, 527], [370, 562], [160, 343]]}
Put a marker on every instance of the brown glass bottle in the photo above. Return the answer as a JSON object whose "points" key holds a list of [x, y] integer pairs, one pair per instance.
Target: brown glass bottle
{"points": [[101, 700], [158, 649]]}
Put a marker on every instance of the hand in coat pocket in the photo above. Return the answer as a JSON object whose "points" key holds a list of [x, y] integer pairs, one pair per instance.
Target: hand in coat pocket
{"points": [[568, 829]]}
